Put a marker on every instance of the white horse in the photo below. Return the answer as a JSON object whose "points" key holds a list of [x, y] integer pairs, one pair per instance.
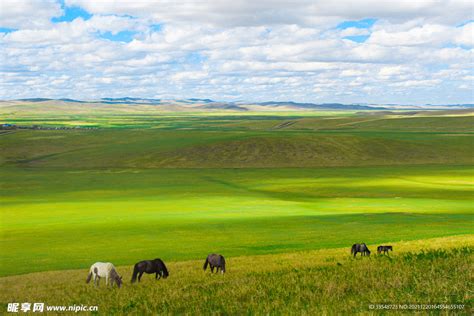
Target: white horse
{"points": [[104, 270]]}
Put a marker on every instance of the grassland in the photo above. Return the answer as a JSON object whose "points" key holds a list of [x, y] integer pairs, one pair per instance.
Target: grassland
{"points": [[435, 271], [181, 185], [123, 215]]}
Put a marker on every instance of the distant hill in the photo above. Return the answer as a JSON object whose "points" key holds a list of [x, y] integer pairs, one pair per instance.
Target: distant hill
{"points": [[332, 106], [129, 100], [34, 99], [209, 104]]}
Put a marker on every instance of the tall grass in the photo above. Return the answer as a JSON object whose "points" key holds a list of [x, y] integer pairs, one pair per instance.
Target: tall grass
{"points": [[435, 271]]}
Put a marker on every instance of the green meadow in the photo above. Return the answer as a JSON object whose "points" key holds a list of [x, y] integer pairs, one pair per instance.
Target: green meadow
{"points": [[181, 185], [64, 219]]}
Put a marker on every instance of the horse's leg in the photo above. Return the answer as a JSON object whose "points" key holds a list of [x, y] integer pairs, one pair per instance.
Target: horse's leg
{"points": [[106, 280], [212, 268], [140, 276], [157, 276]]}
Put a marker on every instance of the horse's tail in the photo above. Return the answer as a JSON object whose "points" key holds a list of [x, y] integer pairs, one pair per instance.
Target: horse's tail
{"points": [[89, 276], [135, 273], [222, 264], [353, 249], [206, 263]]}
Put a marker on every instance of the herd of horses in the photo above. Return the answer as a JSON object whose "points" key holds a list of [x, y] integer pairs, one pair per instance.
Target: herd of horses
{"points": [[107, 270], [215, 261], [364, 250]]}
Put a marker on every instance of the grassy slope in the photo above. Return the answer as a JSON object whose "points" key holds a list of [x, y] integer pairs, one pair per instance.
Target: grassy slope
{"points": [[148, 148], [314, 282]]}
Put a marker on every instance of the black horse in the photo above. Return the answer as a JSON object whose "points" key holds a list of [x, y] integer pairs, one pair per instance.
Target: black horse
{"points": [[362, 248], [156, 266], [215, 261], [384, 249]]}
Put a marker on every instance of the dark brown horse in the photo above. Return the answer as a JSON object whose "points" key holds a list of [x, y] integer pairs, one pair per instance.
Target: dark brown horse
{"points": [[362, 248], [156, 266], [215, 261], [384, 249]]}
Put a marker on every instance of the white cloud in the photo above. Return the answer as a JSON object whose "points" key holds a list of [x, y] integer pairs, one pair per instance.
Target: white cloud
{"points": [[416, 83], [28, 13], [429, 34], [465, 35], [269, 12], [354, 31]]}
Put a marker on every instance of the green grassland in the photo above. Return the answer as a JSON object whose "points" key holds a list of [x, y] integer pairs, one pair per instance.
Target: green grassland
{"points": [[122, 215], [328, 281], [181, 185]]}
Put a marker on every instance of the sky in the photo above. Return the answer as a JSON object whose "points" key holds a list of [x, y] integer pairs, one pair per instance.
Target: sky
{"points": [[348, 51]]}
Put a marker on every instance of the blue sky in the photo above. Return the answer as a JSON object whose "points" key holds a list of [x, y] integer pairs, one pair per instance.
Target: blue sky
{"points": [[307, 51]]}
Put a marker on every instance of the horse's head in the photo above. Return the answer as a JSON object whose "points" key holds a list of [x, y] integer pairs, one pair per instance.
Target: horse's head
{"points": [[164, 272], [119, 281]]}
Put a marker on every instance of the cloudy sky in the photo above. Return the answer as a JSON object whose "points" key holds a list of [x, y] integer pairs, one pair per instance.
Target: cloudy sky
{"points": [[374, 51]]}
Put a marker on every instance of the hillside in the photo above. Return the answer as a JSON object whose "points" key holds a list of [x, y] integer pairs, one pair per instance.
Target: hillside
{"points": [[236, 141]]}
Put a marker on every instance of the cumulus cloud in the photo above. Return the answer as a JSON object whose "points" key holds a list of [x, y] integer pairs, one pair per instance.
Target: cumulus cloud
{"points": [[27, 13], [254, 50], [270, 12], [465, 35]]}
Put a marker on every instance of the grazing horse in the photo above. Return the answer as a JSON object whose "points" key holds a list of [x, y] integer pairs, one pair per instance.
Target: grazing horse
{"points": [[156, 266], [384, 249], [215, 261], [104, 270], [362, 248]]}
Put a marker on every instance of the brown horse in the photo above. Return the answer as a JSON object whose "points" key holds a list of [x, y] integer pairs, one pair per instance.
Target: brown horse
{"points": [[215, 261], [362, 248], [156, 266], [384, 249]]}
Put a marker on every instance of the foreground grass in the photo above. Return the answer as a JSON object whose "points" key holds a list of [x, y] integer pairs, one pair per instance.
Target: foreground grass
{"points": [[433, 271]]}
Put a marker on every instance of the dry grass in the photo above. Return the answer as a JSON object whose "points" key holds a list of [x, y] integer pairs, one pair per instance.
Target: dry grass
{"points": [[314, 282]]}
